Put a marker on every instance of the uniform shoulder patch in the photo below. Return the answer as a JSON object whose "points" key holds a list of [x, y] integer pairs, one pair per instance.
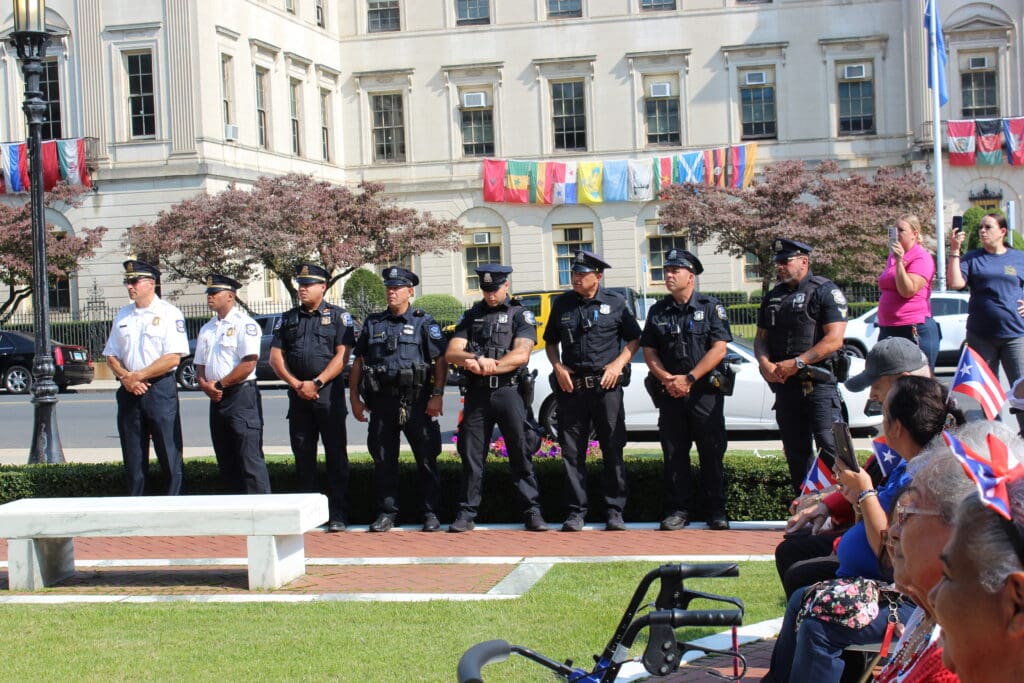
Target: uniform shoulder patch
{"points": [[720, 310], [347, 319], [277, 323], [838, 297], [179, 325], [528, 317], [252, 329], [434, 331]]}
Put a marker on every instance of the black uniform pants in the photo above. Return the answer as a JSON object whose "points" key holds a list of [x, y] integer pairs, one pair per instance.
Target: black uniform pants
{"points": [[681, 421], [308, 423], [484, 408], [154, 415], [236, 429], [802, 417], [578, 413], [424, 436]]}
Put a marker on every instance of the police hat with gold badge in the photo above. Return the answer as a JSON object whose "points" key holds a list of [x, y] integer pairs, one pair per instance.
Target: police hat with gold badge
{"points": [[584, 261], [492, 276], [786, 249], [215, 282], [396, 276], [683, 259], [311, 274], [133, 270]]}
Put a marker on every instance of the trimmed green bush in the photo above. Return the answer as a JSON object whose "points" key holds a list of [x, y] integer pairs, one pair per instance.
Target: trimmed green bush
{"points": [[756, 488], [445, 308], [364, 293]]}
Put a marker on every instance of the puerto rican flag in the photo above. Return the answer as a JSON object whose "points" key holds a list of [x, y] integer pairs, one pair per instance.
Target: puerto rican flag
{"points": [[974, 378], [990, 476], [885, 456], [818, 478]]}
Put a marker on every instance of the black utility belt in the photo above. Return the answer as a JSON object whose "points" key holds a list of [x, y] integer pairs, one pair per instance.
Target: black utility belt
{"points": [[233, 387], [493, 381], [587, 381]]}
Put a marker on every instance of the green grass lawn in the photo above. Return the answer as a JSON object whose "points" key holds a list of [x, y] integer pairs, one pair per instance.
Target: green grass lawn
{"points": [[570, 613]]}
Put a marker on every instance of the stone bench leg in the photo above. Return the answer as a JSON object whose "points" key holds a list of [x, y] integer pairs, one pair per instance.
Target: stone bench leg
{"points": [[33, 563], [275, 560]]}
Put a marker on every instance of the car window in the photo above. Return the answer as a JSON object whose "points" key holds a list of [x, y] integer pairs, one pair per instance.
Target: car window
{"points": [[944, 306], [5, 343], [531, 303], [268, 324]]}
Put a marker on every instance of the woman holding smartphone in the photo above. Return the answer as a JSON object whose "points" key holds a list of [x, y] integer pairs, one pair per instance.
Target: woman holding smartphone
{"points": [[995, 313], [904, 307]]}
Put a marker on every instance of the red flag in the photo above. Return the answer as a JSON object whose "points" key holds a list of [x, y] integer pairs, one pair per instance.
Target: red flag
{"points": [[961, 143], [718, 157], [51, 166], [1013, 135], [23, 166], [494, 180], [662, 173]]}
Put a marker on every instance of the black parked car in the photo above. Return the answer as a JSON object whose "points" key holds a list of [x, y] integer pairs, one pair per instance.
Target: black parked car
{"points": [[187, 370], [17, 352]]}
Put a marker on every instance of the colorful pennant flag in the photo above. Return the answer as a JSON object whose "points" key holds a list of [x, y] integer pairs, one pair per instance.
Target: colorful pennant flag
{"points": [[565, 191], [517, 182], [818, 478], [691, 167], [541, 184], [616, 181], [664, 171], [641, 179], [1013, 138], [589, 177], [975, 379], [990, 141], [494, 180], [961, 142], [884, 455], [991, 475]]}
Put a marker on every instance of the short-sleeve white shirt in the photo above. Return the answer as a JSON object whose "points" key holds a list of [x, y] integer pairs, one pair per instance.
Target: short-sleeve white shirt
{"points": [[222, 344], [139, 336]]}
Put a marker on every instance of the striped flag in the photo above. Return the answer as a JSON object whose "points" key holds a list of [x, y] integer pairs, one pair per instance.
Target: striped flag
{"points": [[714, 166], [541, 182], [961, 143], [991, 475], [1013, 136], [975, 379], [517, 182], [818, 478], [884, 455], [990, 142], [664, 173], [71, 159], [14, 163]]}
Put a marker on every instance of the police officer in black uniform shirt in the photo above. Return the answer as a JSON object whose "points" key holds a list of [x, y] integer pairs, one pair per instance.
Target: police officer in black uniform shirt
{"points": [[399, 376], [492, 344], [800, 329], [684, 341], [311, 345], [590, 339]]}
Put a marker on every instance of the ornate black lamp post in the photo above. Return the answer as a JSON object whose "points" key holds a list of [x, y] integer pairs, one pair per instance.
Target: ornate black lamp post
{"points": [[30, 39]]}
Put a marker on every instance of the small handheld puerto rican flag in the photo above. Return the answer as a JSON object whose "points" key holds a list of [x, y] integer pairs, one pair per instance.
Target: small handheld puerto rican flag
{"points": [[884, 455], [989, 476], [974, 378], [818, 478]]}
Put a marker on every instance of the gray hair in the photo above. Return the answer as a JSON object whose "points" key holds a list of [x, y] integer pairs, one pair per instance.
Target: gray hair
{"points": [[985, 536]]}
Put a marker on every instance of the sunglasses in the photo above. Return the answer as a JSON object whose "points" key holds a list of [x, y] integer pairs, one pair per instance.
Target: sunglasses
{"points": [[134, 280]]}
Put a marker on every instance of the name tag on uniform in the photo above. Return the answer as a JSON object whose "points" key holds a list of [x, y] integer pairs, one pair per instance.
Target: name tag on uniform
{"points": [[230, 332], [156, 320], [408, 329], [503, 318], [325, 320], [605, 309]]}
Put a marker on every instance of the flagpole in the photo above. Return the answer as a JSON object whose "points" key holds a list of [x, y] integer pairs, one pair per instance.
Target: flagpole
{"points": [[940, 228]]}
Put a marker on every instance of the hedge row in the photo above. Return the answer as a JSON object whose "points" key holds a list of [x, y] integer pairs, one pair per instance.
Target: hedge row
{"points": [[756, 488]]}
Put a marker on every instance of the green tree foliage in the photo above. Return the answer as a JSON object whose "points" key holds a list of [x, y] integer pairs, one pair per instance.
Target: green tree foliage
{"points": [[972, 221], [364, 293], [445, 308]]}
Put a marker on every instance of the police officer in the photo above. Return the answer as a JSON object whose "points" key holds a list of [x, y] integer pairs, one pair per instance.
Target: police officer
{"points": [[400, 373], [227, 349], [310, 348], [684, 341], [146, 343], [590, 339], [800, 328], [492, 344]]}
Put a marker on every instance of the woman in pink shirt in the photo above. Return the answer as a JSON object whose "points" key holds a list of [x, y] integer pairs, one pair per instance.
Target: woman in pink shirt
{"points": [[904, 308]]}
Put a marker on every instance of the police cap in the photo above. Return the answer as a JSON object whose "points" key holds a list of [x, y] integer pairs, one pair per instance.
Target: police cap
{"points": [[683, 259], [311, 274], [492, 276], [396, 276], [133, 270], [785, 249], [215, 282], [584, 261]]}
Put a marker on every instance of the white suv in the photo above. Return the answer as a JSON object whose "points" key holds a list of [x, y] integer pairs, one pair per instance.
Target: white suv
{"points": [[949, 310]]}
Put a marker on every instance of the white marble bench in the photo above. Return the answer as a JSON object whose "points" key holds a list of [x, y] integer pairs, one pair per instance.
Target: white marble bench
{"points": [[41, 531]]}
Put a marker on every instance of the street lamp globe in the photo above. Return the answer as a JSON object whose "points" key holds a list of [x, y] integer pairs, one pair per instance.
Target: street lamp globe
{"points": [[29, 15]]}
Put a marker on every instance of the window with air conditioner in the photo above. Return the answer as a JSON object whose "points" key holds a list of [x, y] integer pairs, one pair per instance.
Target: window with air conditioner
{"points": [[755, 78], [474, 100], [758, 113], [855, 90]]}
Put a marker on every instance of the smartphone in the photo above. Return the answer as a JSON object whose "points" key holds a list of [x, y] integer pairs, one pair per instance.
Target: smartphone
{"points": [[894, 235], [844, 445], [958, 223]]}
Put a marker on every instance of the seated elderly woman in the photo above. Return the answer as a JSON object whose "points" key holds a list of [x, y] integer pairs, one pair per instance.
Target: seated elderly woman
{"points": [[979, 602], [921, 525], [809, 648]]}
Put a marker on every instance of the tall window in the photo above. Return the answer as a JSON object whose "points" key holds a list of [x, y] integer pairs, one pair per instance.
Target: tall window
{"points": [[227, 86], [856, 99], [60, 294], [658, 246], [568, 240], [978, 83], [141, 101], [480, 246], [477, 125], [569, 115], [757, 103], [321, 14], [388, 127], [662, 106], [289, 6], [655, 5], [295, 113], [472, 12], [262, 108], [751, 267], [49, 83], [565, 8], [383, 15], [325, 123]]}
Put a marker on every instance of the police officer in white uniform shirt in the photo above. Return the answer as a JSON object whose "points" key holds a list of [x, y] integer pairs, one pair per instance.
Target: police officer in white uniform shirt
{"points": [[227, 350], [146, 343]]}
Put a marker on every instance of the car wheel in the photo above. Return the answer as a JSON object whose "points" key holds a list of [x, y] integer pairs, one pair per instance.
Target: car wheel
{"points": [[187, 376], [17, 379], [854, 350], [548, 417]]}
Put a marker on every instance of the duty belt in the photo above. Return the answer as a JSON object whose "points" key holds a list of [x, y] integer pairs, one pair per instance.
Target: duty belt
{"points": [[587, 381], [495, 381]]}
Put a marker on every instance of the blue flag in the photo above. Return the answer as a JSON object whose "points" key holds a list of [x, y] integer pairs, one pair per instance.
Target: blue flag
{"points": [[939, 49]]}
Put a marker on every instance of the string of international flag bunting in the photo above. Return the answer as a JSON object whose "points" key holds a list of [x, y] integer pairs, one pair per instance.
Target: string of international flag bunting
{"points": [[62, 160], [986, 142], [622, 180], [973, 378]]}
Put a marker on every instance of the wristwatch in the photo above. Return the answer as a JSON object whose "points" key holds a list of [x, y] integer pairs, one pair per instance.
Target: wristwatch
{"points": [[436, 391], [318, 383], [689, 376], [800, 364]]}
